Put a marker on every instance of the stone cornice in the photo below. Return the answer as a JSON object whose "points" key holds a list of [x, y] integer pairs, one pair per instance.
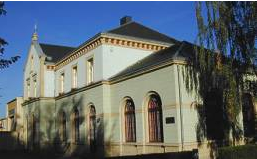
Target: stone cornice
{"points": [[31, 100], [157, 67], [50, 67], [110, 40]]}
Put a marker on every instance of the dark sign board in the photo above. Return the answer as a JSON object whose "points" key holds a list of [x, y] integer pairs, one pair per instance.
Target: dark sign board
{"points": [[170, 120]]}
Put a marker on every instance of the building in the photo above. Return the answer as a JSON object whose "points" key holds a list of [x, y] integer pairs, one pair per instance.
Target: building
{"points": [[3, 124], [119, 93]]}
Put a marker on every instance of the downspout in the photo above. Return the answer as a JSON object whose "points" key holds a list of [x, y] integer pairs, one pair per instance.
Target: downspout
{"points": [[180, 99], [180, 111]]}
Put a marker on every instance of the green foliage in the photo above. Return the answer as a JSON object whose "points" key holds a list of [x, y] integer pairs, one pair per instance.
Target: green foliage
{"points": [[4, 63], [238, 152], [227, 39]]}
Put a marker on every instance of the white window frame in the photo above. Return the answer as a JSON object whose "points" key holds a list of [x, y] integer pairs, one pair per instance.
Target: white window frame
{"points": [[90, 70], [74, 76], [62, 77]]}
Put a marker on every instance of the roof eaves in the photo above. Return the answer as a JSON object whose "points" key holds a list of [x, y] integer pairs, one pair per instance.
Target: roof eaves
{"points": [[137, 38], [79, 47]]}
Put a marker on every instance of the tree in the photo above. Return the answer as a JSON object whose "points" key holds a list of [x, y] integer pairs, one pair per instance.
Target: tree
{"points": [[4, 63], [226, 51]]}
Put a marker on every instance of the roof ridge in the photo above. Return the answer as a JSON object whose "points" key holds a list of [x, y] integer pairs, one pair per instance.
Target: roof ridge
{"points": [[120, 26], [156, 31], [56, 45]]}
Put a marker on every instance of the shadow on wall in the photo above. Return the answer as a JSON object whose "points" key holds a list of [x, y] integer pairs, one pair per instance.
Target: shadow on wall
{"points": [[218, 124], [46, 137]]}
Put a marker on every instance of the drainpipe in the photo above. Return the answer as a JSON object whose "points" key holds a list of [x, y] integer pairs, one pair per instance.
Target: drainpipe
{"points": [[180, 111]]}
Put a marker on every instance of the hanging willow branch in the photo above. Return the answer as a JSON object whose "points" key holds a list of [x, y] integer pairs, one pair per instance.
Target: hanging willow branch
{"points": [[226, 51]]}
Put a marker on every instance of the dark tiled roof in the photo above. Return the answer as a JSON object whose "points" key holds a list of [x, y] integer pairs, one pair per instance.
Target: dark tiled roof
{"points": [[55, 52], [137, 30], [179, 51]]}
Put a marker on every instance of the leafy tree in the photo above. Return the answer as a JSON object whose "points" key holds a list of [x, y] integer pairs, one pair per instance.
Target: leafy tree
{"points": [[4, 63], [226, 51]]}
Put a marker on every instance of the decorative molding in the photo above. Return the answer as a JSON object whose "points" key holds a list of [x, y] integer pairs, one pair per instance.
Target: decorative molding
{"points": [[50, 67], [110, 40]]}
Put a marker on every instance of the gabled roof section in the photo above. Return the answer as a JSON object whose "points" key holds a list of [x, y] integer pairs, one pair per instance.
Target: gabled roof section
{"points": [[55, 52], [183, 51], [136, 30]]}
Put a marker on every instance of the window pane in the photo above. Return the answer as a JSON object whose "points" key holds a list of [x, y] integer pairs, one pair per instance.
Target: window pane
{"points": [[155, 119]]}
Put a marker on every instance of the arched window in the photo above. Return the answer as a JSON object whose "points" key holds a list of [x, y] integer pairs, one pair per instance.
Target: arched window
{"points": [[248, 115], [155, 119], [34, 130], [27, 131], [130, 121], [76, 125], [92, 128], [62, 126]]}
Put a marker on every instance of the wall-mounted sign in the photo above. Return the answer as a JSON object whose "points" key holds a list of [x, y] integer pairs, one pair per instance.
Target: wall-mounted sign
{"points": [[170, 120]]}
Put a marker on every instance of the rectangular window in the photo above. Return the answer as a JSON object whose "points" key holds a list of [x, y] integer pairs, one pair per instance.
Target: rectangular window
{"points": [[35, 88], [32, 63], [62, 83], [74, 77], [28, 88], [90, 70]]}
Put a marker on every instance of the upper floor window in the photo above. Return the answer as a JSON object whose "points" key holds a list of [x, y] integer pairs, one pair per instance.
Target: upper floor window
{"points": [[130, 121], [74, 77], [28, 88], [62, 83], [31, 63], [155, 119], [35, 88], [90, 70]]}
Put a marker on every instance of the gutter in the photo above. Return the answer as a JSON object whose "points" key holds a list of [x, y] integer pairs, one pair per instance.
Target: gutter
{"points": [[180, 111], [180, 101]]}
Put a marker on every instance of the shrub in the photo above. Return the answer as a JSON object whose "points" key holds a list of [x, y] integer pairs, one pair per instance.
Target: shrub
{"points": [[238, 152]]}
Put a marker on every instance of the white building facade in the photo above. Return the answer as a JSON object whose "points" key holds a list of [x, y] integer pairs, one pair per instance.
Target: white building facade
{"points": [[119, 93]]}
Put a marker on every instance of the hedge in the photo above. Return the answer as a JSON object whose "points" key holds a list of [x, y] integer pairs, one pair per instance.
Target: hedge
{"points": [[238, 152], [170, 155]]}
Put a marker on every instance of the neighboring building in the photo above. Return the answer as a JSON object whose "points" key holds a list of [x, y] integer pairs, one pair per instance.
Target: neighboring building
{"points": [[119, 93], [3, 124], [15, 114], [15, 121]]}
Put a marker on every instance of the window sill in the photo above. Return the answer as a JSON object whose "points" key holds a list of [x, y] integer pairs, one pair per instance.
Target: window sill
{"points": [[155, 144], [73, 89], [62, 93]]}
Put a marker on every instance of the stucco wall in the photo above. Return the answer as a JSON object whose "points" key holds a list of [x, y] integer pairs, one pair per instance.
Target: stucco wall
{"points": [[29, 72]]}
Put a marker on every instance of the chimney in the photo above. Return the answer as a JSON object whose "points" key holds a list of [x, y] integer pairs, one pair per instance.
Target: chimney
{"points": [[125, 20]]}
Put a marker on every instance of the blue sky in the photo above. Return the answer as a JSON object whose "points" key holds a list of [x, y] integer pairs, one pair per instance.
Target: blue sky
{"points": [[72, 23]]}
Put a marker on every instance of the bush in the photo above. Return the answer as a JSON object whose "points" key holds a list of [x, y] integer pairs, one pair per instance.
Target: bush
{"points": [[238, 152]]}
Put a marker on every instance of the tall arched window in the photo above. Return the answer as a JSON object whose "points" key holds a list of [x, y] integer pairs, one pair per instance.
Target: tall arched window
{"points": [[155, 119], [63, 126], [76, 125], [248, 115], [130, 121], [27, 130], [92, 128], [34, 130]]}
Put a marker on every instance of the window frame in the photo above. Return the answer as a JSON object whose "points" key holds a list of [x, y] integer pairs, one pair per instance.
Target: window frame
{"points": [[74, 74], [155, 119], [129, 121], [61, 80], [90, 72]]}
